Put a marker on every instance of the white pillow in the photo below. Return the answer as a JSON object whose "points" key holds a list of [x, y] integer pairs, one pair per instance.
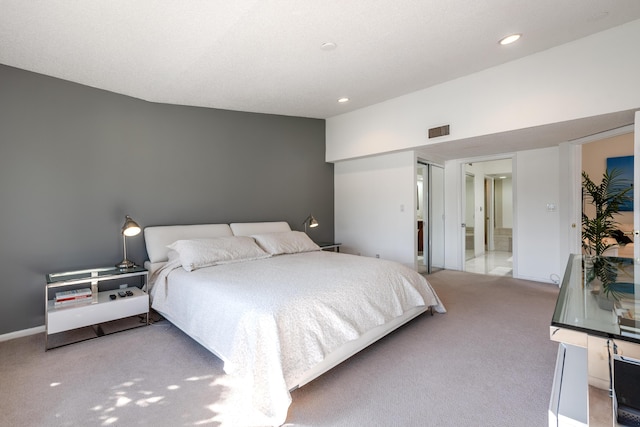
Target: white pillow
{"points": [[198, 253], [286, 242]]}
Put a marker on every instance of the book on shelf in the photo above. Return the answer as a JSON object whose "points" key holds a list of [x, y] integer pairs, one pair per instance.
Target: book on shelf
{"points": [[77, 300], [629, 324], [628, 333], [73, 294]]}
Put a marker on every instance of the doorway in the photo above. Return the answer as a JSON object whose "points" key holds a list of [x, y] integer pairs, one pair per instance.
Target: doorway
{"points": [[429, 217], [596, 158], [488, 205]]}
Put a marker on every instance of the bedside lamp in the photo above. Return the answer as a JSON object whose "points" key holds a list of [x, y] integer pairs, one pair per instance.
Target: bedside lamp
{"points": [[130, 228], [311, 221]]}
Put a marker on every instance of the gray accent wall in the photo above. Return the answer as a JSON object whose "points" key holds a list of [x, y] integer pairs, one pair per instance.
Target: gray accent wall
{"points": [[74, 160]]}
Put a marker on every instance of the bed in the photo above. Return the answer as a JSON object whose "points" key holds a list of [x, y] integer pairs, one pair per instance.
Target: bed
{"points": [[276, 309]]}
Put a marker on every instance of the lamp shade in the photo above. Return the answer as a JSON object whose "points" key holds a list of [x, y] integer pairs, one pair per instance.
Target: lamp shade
{"points": [[311, 222], [130, 227]]}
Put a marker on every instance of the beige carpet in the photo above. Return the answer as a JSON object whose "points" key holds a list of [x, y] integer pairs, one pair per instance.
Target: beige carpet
{"points": [[487, 362]]}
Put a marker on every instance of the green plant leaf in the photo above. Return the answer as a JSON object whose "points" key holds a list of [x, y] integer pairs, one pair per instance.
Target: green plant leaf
{"points": [[606, 198]]}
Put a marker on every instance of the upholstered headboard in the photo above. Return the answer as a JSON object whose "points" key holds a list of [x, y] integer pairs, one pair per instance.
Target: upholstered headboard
{"points": [[157, 238], [249, 228]]}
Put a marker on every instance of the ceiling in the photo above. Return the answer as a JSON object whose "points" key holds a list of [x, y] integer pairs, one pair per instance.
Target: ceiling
{"points": [[268, 56]]}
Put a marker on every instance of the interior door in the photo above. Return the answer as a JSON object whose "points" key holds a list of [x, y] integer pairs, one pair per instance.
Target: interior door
{"points": [[489, 214], [469, 217]]}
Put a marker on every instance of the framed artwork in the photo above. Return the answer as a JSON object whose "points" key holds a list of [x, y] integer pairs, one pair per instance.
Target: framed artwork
{"points": [[625, 165]]}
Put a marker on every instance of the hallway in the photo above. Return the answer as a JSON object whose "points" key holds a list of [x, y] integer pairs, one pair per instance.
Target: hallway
{"points": [[496, 263]]}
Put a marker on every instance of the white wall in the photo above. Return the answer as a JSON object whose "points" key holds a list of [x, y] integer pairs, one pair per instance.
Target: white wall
{"points": [[588, 77], [454, 185], [375, 206], [506, 215], [537, 230]]}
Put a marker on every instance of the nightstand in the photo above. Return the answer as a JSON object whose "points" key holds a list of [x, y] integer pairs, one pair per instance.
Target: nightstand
{"points": [[99, 314], [329, 246]]}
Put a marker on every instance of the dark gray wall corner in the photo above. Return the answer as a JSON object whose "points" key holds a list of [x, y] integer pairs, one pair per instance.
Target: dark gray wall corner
{"points": [[74, 160]]}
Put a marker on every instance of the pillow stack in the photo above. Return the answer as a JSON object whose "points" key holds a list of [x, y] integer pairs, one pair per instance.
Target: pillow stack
{"points": [[199, 253]]}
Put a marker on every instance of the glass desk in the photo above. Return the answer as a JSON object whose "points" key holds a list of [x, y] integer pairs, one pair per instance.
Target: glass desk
{"points": [[608, 308], [596, 318]]}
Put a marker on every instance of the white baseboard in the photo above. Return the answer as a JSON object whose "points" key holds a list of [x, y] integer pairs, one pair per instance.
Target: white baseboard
{"points": [[22, 333], [535, 279]]}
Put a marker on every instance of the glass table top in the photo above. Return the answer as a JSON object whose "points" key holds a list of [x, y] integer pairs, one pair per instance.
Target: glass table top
{"points": [[84, 275], [600, 296]]}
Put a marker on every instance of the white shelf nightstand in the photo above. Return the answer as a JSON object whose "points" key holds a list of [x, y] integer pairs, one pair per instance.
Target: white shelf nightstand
{"points": [[101, 307]]}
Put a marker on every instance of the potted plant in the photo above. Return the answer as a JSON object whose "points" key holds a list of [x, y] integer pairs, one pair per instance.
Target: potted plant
{"points": [[606, 199], [597, 231]]}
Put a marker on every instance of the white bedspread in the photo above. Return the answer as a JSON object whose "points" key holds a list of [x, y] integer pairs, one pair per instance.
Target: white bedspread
{"points": [[272, 319]]}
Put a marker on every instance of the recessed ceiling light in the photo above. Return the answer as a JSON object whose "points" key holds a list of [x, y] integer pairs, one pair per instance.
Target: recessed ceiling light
{"points": [[328, 46], [510, 39], [343, 100]]}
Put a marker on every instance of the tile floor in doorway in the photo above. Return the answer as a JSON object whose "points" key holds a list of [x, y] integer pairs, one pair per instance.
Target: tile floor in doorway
{"points": [[495, 262]]}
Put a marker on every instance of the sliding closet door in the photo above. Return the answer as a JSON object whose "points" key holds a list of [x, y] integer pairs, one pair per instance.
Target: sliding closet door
{"points": [[430, 217], [469, 204], [436, 218]]}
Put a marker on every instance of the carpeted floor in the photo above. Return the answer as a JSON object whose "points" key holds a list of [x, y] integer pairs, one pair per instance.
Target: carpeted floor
{"points": [[487, 362]]}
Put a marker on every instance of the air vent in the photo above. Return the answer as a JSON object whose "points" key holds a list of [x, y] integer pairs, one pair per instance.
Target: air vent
{"points": [[439, 131]]}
